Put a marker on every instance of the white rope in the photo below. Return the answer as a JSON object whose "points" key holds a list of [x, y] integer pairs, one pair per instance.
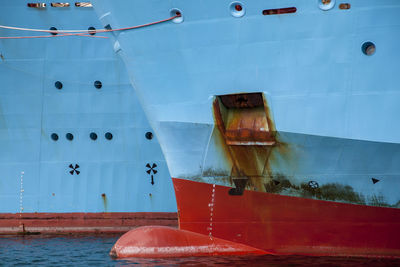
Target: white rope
{"points": [[40, 30], [95, 31]]}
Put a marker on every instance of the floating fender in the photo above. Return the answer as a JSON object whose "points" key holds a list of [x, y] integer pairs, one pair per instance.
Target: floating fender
{"points": [[162, 241]]}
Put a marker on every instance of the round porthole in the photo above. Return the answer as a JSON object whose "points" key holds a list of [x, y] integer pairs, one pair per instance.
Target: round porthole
{"points": [[58, 85], [326, 4], [176, 12], [368, 48], [53, 29], [93, 136], [92, 30], [97, 84], [69, 136], [108, 136], [149, 135], [237, 9], [54, 136]]}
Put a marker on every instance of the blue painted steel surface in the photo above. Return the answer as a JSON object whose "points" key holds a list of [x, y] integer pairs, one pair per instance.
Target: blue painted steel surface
{"points": [[32, 108], [335, 106]]}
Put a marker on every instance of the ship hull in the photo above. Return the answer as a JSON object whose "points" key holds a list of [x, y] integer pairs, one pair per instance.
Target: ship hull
{"points": [[76, 151], [288, 225], [82, 223], [317, 147]]}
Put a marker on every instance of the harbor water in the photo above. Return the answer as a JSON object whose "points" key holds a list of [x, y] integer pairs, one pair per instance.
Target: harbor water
{"points": [[93, 251]]}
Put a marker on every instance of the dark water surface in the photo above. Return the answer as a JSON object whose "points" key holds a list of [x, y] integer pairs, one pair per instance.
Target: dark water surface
{"points": [[93, 251]]}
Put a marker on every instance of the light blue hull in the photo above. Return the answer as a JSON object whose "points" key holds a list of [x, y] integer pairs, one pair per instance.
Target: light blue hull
{"points": [[335, 107], [35, 169]]}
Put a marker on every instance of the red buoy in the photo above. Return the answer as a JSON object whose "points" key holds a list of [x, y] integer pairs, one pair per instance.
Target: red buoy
{"points": [[162, 241]]}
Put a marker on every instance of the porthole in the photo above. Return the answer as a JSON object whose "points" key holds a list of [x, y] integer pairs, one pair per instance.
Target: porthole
{"points": [[108, 136], [69, 136], [92, 30], [368, 48], [176, 12], [58, 85], [54, 136], [237, 9], [326, 4], [149, 135], [97, 84], [93, 136], [53, 29]]}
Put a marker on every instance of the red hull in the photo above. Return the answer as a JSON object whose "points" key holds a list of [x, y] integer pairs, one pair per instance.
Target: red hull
{"points": [[165, 242], [288, 225], [115, 222]]}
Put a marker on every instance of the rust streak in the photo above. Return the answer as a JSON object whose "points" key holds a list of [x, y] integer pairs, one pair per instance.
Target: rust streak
{"points": [[105, 202], [247, 129]]}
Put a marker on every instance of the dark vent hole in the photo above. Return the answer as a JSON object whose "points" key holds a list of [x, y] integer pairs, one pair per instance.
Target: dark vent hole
{"points": [[58, 85], [368, 48], [93, 136], [92, 30], [149, 135], [54, 136], [98, 84], [108, 136], [69, 136], [238, 7], [53, 29]]}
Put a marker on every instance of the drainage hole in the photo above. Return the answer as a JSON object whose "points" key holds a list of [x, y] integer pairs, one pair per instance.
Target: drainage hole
{"points": [[108, 136], [69, 136], [368, 48], [93, 136], [176, 12], [97, 84], [54, 136], [149, 135], [238, 7], [92, 30], [53, 29], [58, 85]]}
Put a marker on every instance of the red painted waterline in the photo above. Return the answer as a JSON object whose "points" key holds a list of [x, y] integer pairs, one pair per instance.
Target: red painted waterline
{"points": [[107, 222], [288, 225]]}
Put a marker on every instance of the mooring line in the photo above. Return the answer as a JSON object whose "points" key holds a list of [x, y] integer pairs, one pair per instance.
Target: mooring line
{"points": [[77, 32]]}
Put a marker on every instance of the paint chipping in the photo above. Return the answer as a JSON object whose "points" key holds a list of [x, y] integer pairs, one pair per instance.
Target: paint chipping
{"points": [[215, 173], [379, 201], [330, 191]]}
